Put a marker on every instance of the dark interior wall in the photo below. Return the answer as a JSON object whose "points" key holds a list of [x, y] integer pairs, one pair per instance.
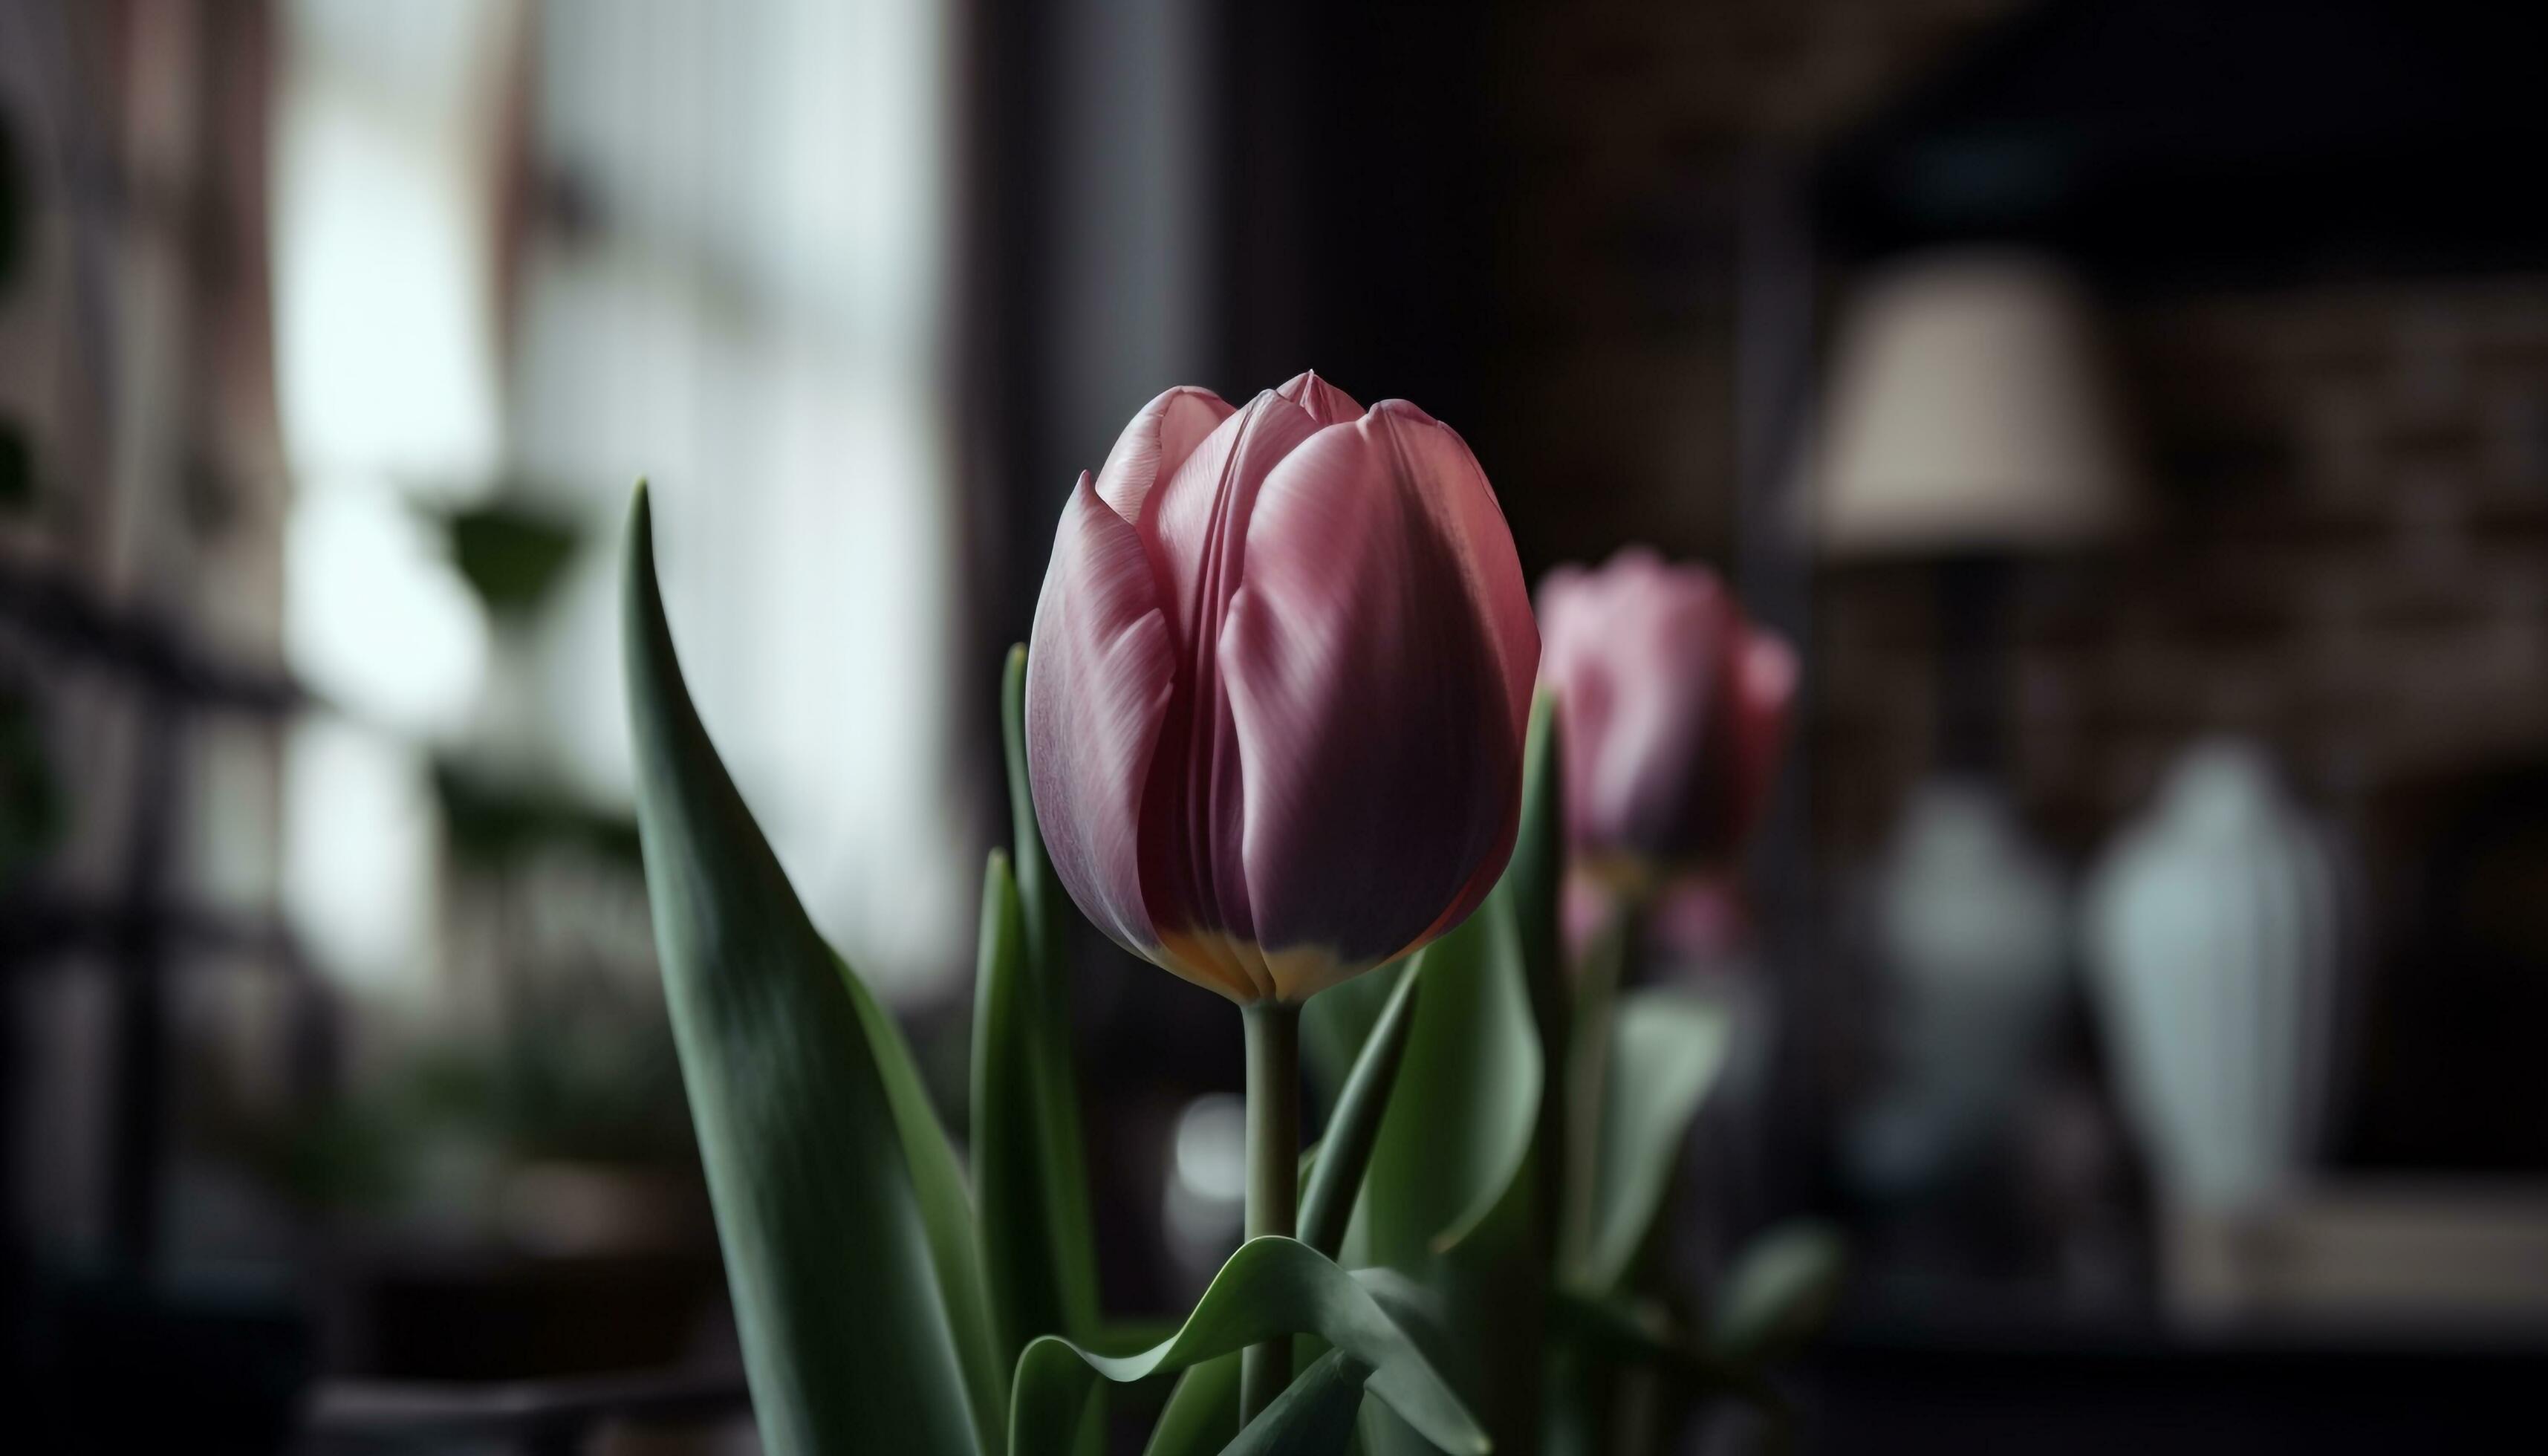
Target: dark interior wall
{"points": [[1355, 196], [1525, 218]]}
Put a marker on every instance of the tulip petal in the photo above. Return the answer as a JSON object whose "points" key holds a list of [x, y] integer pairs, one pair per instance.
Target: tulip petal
{"points": [[1765, 690], [1194, 527], [1672, 785], [1196, 522], [1155, 444], [1378, 662], [1100, 668], [1323, 402]]}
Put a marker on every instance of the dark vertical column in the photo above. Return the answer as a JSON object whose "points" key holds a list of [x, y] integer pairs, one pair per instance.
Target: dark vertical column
{"points": [[1357, 200], [141, 954], [1004, 157], [1774, 363]]}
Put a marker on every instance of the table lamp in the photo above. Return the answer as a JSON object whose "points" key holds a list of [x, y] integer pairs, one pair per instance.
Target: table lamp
{"points": [[1967, 422], [1970, 422]]}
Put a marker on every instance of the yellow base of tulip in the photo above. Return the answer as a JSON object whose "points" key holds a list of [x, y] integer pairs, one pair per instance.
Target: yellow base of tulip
{"points": [[1247, 972]]}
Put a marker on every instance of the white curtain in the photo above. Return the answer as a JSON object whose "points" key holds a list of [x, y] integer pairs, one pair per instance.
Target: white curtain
{"points": [[753, 320], [743, 303]]}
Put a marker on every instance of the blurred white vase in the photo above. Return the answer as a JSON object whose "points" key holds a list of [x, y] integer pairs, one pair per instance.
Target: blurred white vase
{"points": [[2212, 937], [1972, 923]]}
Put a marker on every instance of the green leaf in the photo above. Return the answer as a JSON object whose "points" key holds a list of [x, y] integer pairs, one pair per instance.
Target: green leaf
{"points": [[1592, 1021], [512, 556], [1039, 898], [1665, 1050], [1201, 1414], [1535, 881], [1477, 1312], [1126, 1335], [1336, 1022], [840, 1295], [1780, 1292], [1045, 1272], [494, 821], [1460, 1120], [1530, 898], [1270, 1288], [1631, 1331], [1015, 1244], [944, 1208], [1344, 1152], [1315, 1415]]}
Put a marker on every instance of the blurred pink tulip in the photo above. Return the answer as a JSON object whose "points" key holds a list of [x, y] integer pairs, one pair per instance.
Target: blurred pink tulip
{"points": [[1690, 918], [1675, 709], [1277, 689]]}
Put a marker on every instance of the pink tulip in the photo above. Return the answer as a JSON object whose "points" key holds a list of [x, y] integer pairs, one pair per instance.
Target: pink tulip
{"points": [[1675, 707], [1277, 689]]}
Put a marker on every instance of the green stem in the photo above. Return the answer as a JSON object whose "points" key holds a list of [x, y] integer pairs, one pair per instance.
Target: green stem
{"points": [[1587, 1071], [1273, 1173]]}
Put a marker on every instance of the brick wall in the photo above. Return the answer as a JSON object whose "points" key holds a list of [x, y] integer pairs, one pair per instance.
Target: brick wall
{"points": [[2346, 557]]}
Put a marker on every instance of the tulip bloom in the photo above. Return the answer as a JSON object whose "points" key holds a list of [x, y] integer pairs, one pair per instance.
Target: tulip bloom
{"points": [[1277, 689], [1674, 708]]}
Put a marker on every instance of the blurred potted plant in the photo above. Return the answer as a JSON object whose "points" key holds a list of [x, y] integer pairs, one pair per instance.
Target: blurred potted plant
{"points": [[1276, 734]]}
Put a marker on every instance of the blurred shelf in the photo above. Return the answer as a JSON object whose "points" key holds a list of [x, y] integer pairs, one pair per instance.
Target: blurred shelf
{"points": [[531, 1415], [1937, 1377]]}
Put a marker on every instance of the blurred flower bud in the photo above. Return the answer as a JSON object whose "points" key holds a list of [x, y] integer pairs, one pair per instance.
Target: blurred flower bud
{"points": [[1675, 709], [1277, 689]]}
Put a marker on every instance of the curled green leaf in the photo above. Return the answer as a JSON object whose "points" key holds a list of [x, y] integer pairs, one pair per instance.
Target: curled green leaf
{"points": [[1272, 1287], [1201, 1414]]}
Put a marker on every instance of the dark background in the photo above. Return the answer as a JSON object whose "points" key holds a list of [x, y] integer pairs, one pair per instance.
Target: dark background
{"points": [[1609, 243]]}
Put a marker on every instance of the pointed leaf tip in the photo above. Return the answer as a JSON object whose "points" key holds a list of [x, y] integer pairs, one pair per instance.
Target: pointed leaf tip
{"points": [[810, 1126]]}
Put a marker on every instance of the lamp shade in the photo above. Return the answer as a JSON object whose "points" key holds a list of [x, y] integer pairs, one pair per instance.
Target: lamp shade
{"points": [[1969, 409]]}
